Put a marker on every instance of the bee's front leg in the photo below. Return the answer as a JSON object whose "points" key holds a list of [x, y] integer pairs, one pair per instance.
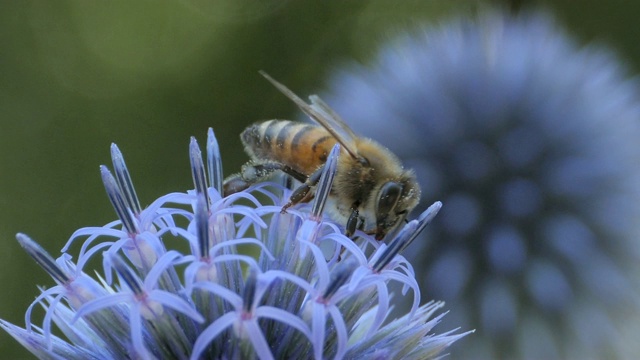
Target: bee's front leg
{"points": [[253, 172], [352, 222], [303, 192], [233, 184]]}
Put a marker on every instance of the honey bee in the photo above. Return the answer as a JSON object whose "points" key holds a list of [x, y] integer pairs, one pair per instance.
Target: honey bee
{"points": [[371, 191]]}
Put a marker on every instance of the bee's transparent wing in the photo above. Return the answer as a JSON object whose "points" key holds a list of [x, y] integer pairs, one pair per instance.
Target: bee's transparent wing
{"points": [[323, 115], [333, 119]]}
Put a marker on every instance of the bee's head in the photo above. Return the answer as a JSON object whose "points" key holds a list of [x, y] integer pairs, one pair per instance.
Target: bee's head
{"points": [[394, 200]]}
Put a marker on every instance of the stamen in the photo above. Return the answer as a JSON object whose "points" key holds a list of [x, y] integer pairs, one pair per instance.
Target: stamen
{"points": [[124, 180], [326, 180], [423, 220], [42, 257], [339, 276], [214, 161], [202, 227], [197, 169], [408, 233], [115, 196], [249, 291], [132, 281], [398, 243]]}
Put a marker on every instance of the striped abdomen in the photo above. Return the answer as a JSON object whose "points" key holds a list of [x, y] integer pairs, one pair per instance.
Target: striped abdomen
{"points": [[304, 147]]}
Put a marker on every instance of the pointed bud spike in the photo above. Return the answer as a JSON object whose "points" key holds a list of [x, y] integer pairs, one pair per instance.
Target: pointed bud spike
{"points": [[115, 196], [124, 180], [397, 244], [202, 227], [423, 220], [42, 257], [197, 169], [214, 161], [131, 279], [339, 276], [249, 291], [326, 181]]}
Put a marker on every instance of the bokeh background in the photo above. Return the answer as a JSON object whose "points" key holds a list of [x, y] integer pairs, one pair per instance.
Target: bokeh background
{"points": [[76, 76]]}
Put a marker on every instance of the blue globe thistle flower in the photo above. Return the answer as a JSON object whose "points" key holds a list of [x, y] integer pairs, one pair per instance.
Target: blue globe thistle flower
{"points": [[532, 142], [309, 292]]}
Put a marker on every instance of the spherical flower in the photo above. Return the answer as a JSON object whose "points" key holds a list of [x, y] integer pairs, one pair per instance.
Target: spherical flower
{"points": [[532, 142], [307, 292]]}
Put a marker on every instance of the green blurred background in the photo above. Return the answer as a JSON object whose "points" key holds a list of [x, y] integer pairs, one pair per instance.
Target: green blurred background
{"points": [[76, 76]]}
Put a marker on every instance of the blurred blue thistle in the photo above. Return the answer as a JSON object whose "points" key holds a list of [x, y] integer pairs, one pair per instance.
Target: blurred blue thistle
{"points": [[310, 292], [533, 144]]}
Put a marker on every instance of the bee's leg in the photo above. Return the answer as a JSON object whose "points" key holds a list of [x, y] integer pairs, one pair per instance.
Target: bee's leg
{"points": [[233, 184], [264, 170], [352, 222], [253, 172], [303, 192], [361, 226]]}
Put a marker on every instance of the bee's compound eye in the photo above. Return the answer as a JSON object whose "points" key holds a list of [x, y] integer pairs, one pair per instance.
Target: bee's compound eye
{"points": [[387, 199]]}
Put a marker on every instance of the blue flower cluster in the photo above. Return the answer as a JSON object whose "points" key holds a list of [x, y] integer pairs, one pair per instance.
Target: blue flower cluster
{"points": [[532, 144], [308, 291]]}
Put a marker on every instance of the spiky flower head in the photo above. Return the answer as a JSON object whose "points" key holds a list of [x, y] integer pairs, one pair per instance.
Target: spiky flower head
{"points": [[532, 142], [308, 291]]}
